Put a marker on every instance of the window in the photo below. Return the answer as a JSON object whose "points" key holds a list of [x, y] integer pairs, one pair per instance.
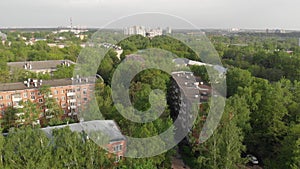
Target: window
{"points": [[85, 99], [63, 98], [40, 100], [25, 95], [62, 91], [1, 105], [56, 99], [71, 91], [1, 97], [63, 105], [84, 91], [55, 92], [9, 104], [32, 97], [7, 97], [78, 89], [32, 93], [118, 148], [39, 93]]}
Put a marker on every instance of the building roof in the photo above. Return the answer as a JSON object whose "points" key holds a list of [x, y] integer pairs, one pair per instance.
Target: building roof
{"points": [[39, 65], [3, 36], [181, 61], [188, 84], [51, 83], [107, 127]]}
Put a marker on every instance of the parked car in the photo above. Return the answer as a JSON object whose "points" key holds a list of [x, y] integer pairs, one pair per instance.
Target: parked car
{"points": [[252, 159]]}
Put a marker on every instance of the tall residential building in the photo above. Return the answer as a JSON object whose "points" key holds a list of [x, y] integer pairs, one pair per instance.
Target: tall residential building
{"points": [[141, 30], [135, 30], [168, 30]]}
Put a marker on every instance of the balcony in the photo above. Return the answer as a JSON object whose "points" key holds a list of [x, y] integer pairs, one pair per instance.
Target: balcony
{"points": [[36, 122], [20, 114], [20, 121], [49, 117], [16, 99], [71, 107], [18, 107], [72, 101], [71, 94]]}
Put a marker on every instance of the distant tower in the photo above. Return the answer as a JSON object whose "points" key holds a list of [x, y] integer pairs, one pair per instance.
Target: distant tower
{"points": [[71, 22], [299, 42], [169, 30]]}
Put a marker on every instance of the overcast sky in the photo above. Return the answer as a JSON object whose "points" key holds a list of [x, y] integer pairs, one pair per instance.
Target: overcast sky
{"points": [[203, 13]]}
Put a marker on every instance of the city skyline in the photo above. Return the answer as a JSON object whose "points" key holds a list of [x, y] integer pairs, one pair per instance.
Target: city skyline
{"points": [[203, 14]]}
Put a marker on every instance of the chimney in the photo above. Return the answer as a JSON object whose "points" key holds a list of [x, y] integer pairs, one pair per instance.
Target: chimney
{"points": [[35, 82], [25, 83]]}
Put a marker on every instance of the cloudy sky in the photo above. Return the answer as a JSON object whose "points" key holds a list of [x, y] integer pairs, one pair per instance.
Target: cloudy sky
{"points": [[202, 13]]}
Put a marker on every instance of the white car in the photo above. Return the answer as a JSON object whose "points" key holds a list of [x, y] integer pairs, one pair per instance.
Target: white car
{"points": [[252, 159]]}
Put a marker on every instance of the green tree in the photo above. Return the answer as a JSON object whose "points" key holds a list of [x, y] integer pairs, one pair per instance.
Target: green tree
{"points": [[27, 148], [31, 113], [10, 117]]}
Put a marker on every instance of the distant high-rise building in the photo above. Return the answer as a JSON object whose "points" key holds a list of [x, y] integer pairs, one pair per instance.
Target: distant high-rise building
{"points": [[168, 30], [135, 30], [299, 42]]}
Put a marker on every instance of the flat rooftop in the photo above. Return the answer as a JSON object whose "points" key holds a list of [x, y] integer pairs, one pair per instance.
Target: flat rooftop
{"points": [[188, 84], [51, 83], [39, 65], [105, 128]]}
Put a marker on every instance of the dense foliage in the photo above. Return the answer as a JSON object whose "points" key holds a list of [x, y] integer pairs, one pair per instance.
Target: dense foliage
{"points": [[261, 116]]}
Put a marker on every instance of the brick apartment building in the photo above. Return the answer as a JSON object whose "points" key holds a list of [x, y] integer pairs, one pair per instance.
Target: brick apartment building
{"points": [[98, 129], [70, 94]]}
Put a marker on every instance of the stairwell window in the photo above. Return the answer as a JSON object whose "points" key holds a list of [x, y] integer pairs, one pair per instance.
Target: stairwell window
{"points": [[118, 148]]}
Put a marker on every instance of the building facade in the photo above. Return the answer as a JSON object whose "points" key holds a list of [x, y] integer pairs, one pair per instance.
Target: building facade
{"points": [[70, 94]]}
